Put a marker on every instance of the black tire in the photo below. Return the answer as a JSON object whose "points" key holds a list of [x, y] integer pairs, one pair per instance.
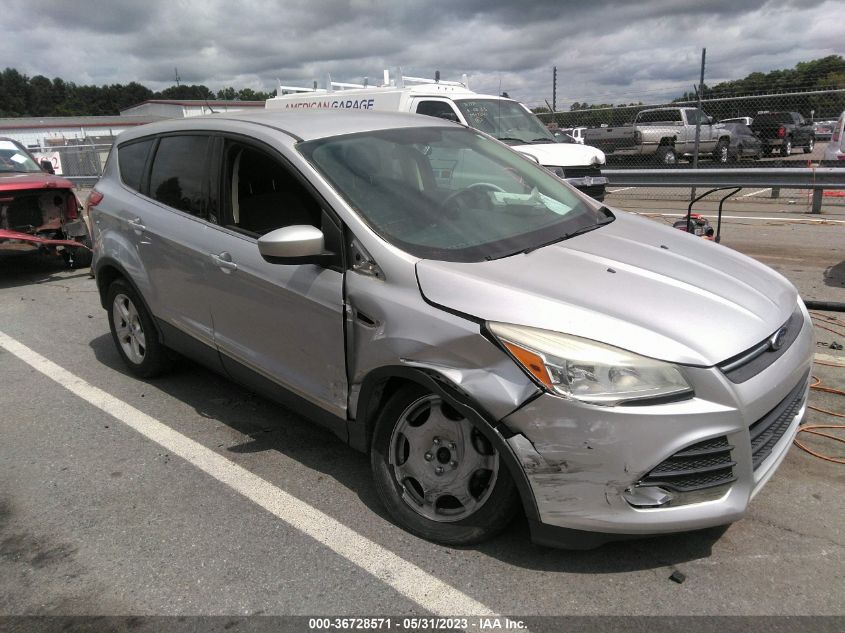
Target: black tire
{"points": [[406, 502], [666, 155], [786, 148], [811, 145], [720, 153], [737, 157], [79, 257], [152, 359]]}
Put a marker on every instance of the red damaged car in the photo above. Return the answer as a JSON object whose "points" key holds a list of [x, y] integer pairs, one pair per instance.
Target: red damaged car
{"points": [[39, 211]]}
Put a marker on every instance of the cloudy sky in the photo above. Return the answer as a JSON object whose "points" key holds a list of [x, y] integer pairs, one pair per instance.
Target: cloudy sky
{"points": [[605, 50]]}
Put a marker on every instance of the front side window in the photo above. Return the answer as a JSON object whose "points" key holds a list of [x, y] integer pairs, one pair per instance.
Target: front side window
{"points": [[450, 194], [178, 177], [261, 194], [439, 109]]}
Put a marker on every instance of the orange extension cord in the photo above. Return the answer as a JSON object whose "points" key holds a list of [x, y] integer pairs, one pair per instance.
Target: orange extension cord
{"points": [[817, 385]]}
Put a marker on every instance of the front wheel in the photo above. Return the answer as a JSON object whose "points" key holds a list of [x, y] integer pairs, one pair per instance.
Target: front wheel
{"points": [[438, 476], [811, 145], [720, 154], [80, 256]]}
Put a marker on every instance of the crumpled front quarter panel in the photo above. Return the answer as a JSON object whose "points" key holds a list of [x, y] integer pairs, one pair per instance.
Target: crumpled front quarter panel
{"points": [[406, 330]]}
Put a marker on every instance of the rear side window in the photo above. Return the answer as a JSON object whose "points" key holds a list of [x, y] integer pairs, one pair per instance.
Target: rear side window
{"points": [[132, 158], [659, 116], [178, 177]]}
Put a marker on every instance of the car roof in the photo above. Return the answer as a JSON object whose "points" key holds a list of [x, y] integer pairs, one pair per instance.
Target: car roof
{"points": [[300, 123]]}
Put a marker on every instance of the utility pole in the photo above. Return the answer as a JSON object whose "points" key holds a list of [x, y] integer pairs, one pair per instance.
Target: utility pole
{"points": [[554, 89], [176, 75], [698, 118], [698, 121]]}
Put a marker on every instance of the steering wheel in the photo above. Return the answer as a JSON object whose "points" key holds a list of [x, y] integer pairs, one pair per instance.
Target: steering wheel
{"points": [[474, 189]]}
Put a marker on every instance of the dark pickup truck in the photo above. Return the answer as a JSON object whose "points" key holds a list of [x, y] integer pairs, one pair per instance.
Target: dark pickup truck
{"points": [[782, 131]]}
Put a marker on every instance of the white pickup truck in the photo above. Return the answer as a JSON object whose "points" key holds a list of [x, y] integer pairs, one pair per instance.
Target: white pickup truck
{"points": [[665, 134]]}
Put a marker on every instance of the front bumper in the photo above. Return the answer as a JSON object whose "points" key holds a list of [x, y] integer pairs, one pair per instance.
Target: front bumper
{"points": [[585, 464]]}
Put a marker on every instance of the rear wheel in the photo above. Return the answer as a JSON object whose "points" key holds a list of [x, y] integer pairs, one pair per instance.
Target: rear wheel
{"points": [[438, 476], [811, 145], [666, 155], [134, 332]]}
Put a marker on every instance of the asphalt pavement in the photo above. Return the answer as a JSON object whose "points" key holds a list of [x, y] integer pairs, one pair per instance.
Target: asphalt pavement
{"points": [[188, 495]]}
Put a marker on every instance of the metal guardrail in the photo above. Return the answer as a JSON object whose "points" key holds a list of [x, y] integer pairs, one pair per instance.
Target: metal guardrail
{"points": [[816, 179]]}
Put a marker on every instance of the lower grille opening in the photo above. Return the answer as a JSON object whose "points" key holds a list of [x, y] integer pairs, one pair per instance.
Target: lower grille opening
{"points": [[767, 431], [699, 466]]}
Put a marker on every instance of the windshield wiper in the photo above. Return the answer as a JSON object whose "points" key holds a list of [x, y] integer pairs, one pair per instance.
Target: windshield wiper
{"points": [[510, 138], [543, 140], [607, 219]]}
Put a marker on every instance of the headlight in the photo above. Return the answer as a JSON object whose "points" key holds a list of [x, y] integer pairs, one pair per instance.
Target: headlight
{"points": [[588, 371], [557, 171]]}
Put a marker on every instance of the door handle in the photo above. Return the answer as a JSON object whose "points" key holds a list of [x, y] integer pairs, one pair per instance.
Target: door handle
{"points": [[224, 261], [137, 225]]}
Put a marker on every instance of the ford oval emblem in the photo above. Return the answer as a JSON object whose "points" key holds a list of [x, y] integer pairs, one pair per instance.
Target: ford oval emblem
{"points": [[776, 342]]}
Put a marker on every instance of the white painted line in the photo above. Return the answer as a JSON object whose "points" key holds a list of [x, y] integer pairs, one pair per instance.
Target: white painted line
{"points": [[618, 190], [412, 582], [742, 217], [754, 193]]}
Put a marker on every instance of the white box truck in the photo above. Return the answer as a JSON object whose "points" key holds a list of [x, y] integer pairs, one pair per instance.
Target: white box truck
{"points": [[505, 119]]}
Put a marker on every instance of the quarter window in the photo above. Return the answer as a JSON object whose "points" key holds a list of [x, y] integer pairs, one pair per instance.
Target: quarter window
{"points": [[178, 175], [132, 158]]}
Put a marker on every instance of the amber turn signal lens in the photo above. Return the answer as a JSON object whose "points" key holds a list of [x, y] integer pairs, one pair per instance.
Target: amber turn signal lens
{"points": [[532, 362]]}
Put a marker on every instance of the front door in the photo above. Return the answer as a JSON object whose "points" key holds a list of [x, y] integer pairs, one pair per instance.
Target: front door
{"points": [[280, 323]]}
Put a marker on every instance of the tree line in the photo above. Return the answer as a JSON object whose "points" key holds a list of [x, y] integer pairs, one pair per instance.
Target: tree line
{"points": [[39, 96], [766, 90]]}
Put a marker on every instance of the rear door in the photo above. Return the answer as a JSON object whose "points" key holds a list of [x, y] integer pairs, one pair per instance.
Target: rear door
{"points": [[275, 325], [171, 230]]}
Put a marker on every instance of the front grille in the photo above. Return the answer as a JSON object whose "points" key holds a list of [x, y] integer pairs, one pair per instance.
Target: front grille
{"points": [[697, 467], [767, 431], [582, 171], [751, 362]]}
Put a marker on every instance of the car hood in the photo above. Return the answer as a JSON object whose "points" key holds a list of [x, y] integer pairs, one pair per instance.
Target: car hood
{"points": [[563, 154], [34, 180], [640, 286]]}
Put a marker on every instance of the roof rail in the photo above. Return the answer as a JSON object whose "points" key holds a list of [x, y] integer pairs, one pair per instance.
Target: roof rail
{"points": [[388, 82], [422, 80]]}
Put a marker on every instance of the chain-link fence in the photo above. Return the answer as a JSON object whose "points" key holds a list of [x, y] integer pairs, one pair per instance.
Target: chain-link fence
{"points": [[783, 129], [786, 128], [79, 161]]}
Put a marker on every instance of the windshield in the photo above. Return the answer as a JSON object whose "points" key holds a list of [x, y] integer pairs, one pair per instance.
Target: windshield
{"points": [[15, 159], [450, 193], [506, 120]]}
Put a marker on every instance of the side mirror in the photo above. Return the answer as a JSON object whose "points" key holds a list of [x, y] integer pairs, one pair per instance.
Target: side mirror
{"points": [[297, 244], [47, 165]]}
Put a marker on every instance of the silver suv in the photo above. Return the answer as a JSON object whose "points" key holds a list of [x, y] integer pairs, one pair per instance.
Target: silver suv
{"points": [[495, 340]]}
